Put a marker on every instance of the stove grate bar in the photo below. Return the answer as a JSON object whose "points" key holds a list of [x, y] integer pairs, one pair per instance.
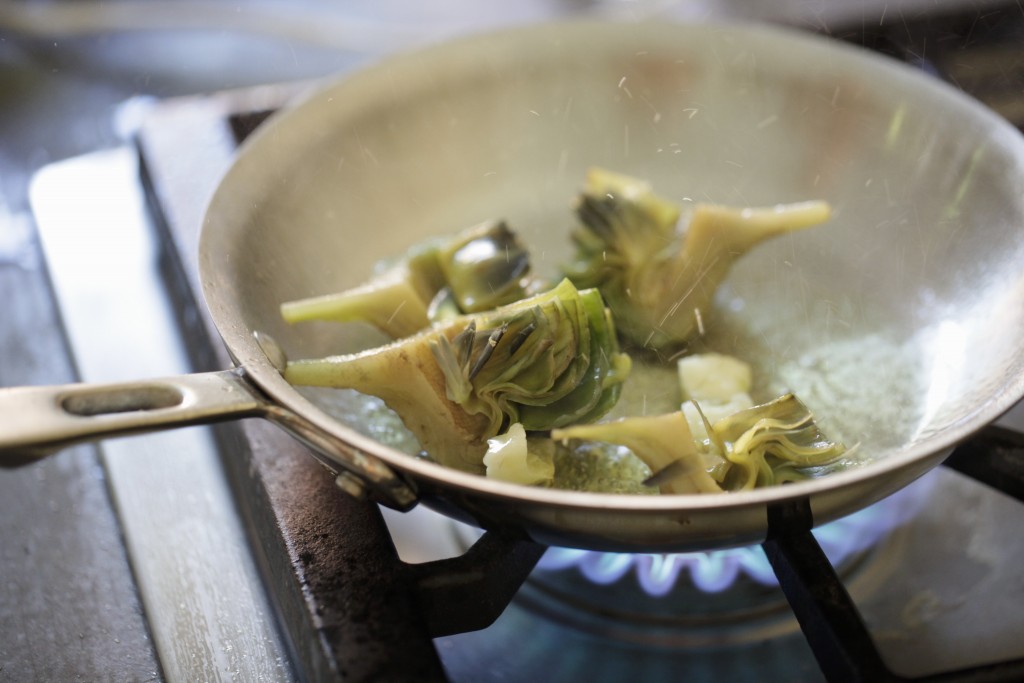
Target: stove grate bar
{"points": [[469, 592], [824, 609], [995, 457], [828, 617]]}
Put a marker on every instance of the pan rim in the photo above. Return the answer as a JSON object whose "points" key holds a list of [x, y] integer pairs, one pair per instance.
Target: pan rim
{"points": [[244, 349]]}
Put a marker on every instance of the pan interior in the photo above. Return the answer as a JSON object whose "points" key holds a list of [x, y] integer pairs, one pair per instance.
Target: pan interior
{"points": [[898, 322]]}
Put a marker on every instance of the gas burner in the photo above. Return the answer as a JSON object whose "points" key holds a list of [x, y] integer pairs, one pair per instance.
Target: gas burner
{"points": [[657, 575], [697, 599]]}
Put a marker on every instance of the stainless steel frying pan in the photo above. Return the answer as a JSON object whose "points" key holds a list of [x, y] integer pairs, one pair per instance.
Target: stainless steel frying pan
{"points": [[900, 322]]}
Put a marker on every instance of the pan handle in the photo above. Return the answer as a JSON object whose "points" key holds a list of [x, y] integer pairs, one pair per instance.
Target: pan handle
{"points": [[38, 421]]}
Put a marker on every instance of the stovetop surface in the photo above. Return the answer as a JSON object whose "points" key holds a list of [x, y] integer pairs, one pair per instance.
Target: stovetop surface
{"points": [[962, 606]]}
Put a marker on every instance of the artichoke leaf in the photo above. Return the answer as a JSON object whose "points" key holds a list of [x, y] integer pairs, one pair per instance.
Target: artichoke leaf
{"points": [[477, 269], [658, 269], [457, 383]]}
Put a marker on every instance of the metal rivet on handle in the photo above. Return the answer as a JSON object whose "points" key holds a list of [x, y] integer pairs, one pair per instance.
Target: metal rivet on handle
{"points": [[351, 484]]}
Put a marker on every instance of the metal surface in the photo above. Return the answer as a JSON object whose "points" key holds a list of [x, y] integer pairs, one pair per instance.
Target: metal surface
{"points": [[924, 182], [853, 129], [995, 460], [202, 597], [829, 618], [819, 598], [60, 539], [46, 419]]}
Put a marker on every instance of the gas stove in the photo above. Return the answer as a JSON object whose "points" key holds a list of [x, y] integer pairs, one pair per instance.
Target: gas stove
{"points": [[288, 578]]}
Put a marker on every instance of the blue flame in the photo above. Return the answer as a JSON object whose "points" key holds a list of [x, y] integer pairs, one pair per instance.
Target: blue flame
{"points": [[714, 571]]}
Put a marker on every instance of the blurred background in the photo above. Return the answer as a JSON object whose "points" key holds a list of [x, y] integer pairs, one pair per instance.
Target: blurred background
{"points": [[65, 65]]}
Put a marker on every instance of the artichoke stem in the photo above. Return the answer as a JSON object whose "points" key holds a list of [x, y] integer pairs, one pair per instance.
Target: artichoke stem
{"points": [[407, 379], [390, 304], [740, 229]]}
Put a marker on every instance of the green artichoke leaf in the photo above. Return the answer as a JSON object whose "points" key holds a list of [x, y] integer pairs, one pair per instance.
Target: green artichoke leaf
{"points": [[759, 446], [553, 360], [595, 397], [773, 441], [479, 268], [463, 381], [663, 442], [657, 268]]}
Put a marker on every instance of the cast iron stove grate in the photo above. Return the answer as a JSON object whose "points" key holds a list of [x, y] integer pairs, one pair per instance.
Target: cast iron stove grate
{"points": [[347, 602]]}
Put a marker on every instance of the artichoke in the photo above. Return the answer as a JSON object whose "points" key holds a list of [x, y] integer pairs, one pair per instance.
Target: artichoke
{"points": [[475, 270], [772, 443], [663, 442], [763, 445], [656, 274], [545, 361]]}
